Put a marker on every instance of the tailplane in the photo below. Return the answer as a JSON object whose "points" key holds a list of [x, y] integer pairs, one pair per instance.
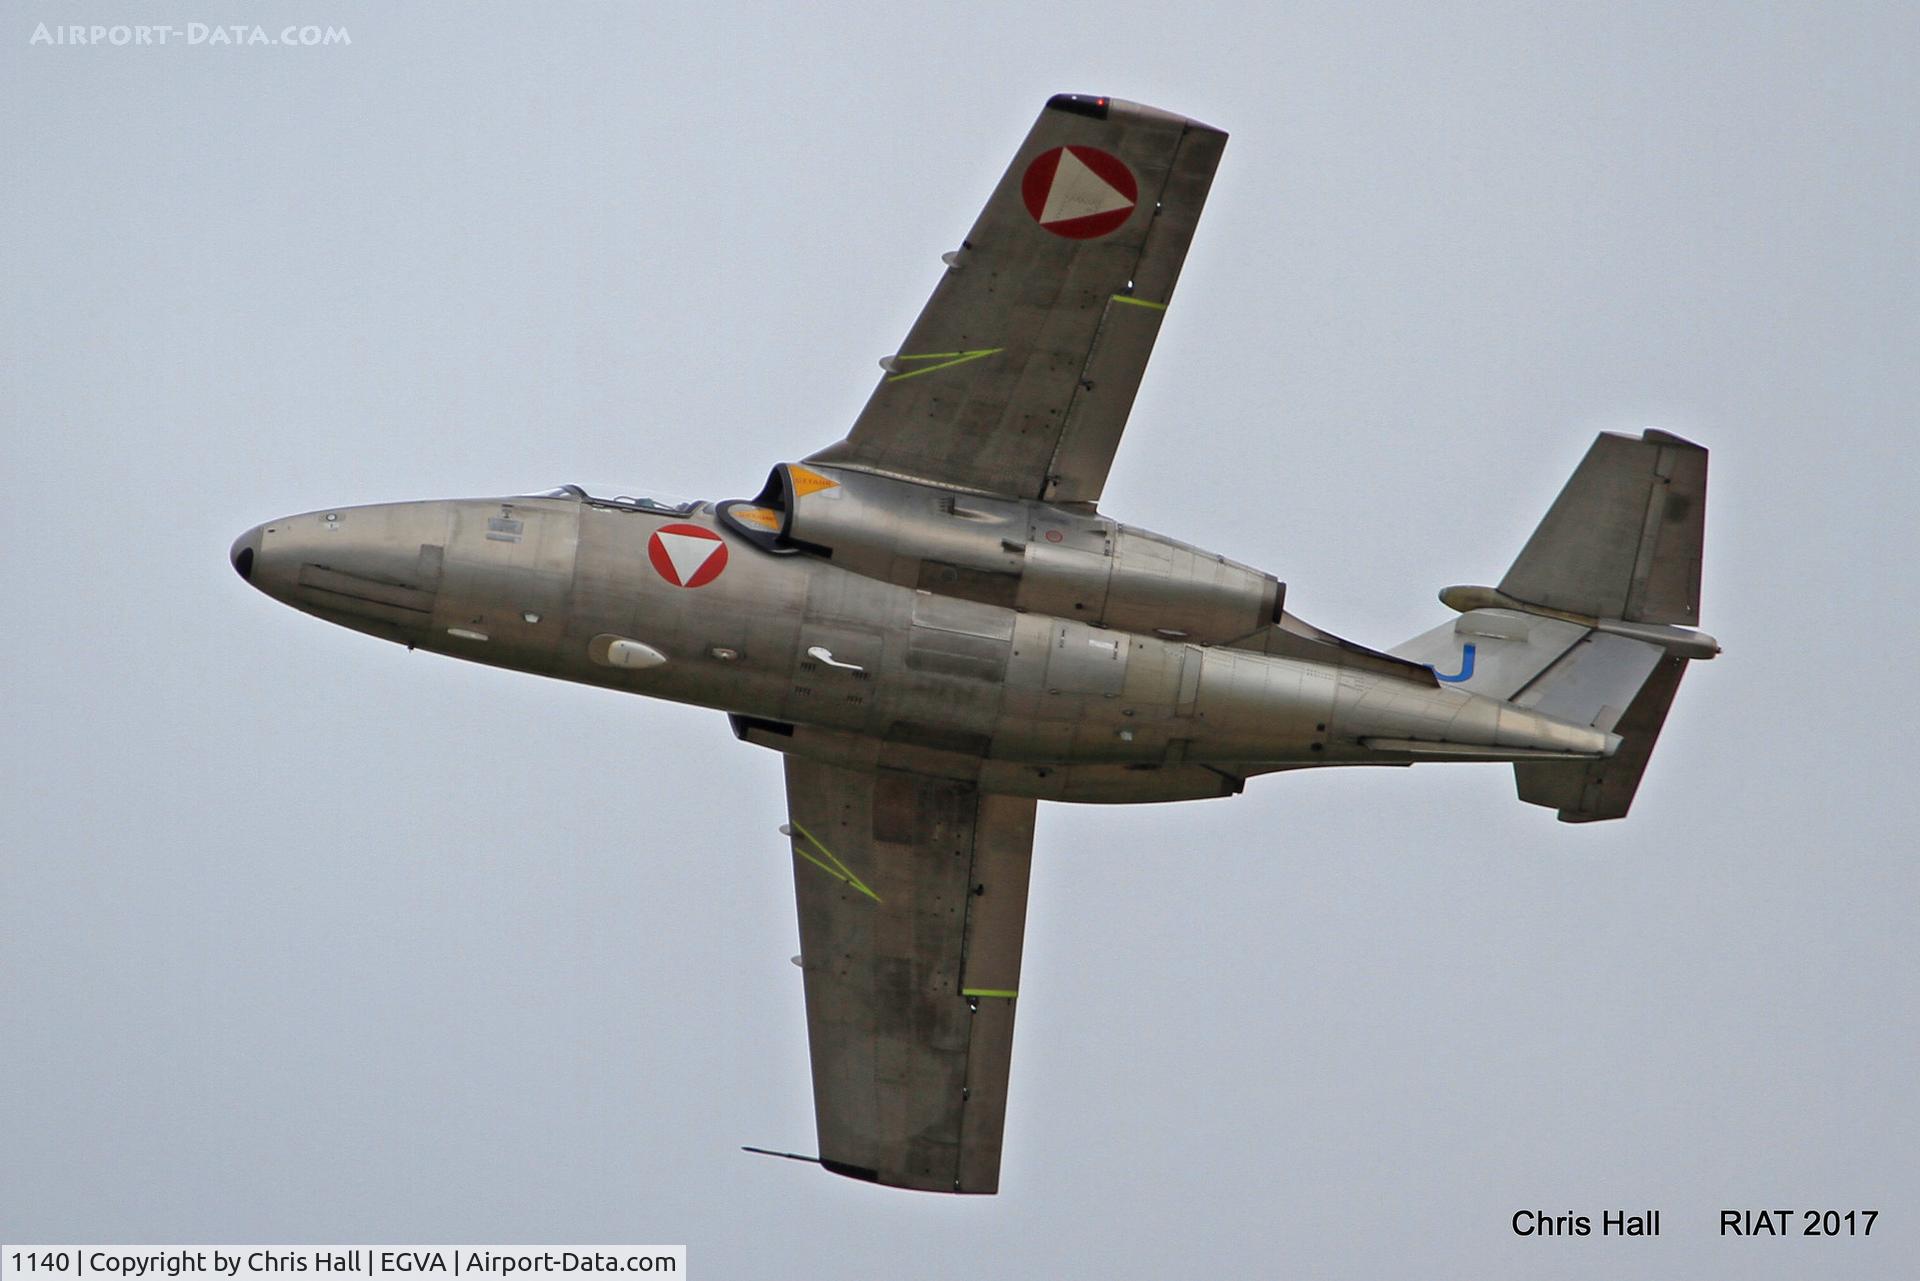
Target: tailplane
{"points": [[1592, 623]]}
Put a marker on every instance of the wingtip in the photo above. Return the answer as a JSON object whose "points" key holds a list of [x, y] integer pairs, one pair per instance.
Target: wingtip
{"points": [[1081, 104], [864, 1174], [1654, 435], [1101, 107]]}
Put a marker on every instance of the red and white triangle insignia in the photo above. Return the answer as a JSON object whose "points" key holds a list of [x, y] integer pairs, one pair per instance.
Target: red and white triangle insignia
{"points": [[687, 555], [1079, 192]]}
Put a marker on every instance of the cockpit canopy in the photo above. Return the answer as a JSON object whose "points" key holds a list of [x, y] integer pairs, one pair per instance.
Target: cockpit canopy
{"points": [[625, 498]]}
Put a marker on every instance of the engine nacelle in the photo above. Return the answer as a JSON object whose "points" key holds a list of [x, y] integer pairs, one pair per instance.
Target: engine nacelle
{"points": [[1022, 554]]}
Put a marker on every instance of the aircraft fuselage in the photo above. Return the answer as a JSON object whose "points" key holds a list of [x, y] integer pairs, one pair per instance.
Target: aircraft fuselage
{"points": [[809, 657]]}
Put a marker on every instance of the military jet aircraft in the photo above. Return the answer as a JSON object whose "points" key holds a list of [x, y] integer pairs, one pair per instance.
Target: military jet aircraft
{"points": [[937, 626]]}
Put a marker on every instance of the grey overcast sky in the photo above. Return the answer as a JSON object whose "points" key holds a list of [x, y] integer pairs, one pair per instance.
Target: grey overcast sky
{"points": [[307, 938]]}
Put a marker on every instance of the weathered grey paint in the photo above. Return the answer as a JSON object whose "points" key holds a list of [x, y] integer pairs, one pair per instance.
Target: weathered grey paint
{"points": [[533, 584], [935, 625]]}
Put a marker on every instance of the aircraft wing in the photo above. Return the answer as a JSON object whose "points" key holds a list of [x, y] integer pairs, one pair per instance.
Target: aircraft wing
{"points": [[1018, 377], [913, 901]]}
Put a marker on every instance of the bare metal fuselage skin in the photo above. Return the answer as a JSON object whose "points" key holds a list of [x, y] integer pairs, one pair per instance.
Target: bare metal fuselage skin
{"points": [[817, 652]]}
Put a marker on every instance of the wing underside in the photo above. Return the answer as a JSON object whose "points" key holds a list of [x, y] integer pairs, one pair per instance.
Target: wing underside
{"points": [[912, 896], [1018, 376]]}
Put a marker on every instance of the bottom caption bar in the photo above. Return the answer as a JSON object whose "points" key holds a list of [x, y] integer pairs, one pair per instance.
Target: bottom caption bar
{"points": [[324, 1262]]}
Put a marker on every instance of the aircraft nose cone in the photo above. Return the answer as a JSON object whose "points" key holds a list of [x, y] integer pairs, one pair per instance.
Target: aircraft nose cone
{"points": [[245, 549]]}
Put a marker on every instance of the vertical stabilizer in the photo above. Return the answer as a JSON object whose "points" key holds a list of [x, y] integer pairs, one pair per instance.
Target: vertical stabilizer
{"points": [[1623, 539], [1600, 790]]}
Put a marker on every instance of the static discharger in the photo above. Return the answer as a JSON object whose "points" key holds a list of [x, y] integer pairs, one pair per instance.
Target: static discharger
{"points": [[784, 1156]]}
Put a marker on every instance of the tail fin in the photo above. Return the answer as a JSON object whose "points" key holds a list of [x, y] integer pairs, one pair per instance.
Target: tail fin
{"points": [[1623, 539], [1584, 627]]}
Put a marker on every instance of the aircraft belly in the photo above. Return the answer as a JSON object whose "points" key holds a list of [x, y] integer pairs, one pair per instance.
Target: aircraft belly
{"points": [[1254, 707], [935, 678], [1175, 704]]}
